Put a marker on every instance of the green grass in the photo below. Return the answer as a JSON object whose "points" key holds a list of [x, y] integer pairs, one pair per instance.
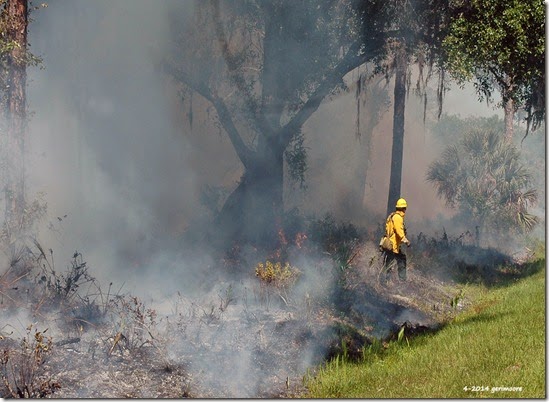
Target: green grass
{"points": [[498, 342]]}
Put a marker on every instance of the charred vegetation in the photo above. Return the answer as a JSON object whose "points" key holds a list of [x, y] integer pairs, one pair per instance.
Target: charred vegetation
{"points": [[236, 297], [315, 298]]}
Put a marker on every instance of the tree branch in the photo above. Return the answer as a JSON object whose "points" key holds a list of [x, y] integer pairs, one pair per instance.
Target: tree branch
{"points": [[354, 58], [232, 67], [242, 150], [504, 82]]}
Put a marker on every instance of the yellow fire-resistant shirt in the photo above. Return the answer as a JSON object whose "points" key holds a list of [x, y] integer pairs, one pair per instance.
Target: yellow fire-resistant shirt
{"points": [[399, 234]]}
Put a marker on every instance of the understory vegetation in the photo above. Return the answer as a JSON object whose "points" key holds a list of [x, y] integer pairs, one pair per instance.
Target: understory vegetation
{"points": [[179, 135], [494, 349], [317, 290]]}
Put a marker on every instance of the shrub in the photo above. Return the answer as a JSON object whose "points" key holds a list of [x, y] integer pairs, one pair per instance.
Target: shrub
{"points": [[63, 286], [339, 240], [22, 369], [276, 278], [134, 324], [276, 275]]}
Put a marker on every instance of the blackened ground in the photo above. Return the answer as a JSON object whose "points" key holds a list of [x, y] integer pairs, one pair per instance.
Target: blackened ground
{"points": [[240, 349]]}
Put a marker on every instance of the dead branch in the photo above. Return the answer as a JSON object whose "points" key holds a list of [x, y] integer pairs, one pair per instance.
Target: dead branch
{"points": [[67, 341]]}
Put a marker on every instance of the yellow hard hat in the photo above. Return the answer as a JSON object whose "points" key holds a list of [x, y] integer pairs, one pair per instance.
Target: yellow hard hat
{"points": [[401, 203]]}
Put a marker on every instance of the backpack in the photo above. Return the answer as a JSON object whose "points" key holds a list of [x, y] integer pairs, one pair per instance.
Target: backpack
{"points": [[385, 244]]}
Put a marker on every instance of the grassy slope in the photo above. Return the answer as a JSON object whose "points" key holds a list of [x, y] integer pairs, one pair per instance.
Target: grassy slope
{"points": [[499, 342]]}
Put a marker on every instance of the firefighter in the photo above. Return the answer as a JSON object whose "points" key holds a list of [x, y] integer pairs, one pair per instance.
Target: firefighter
{"points": [[396, 232]]}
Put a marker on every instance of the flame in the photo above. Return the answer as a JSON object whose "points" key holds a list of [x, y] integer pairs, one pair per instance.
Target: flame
{"points": [[282, 238], [300, 239]]}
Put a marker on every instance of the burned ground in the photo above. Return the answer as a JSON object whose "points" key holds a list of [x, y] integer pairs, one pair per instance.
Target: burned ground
{"points": [[242, 338]]}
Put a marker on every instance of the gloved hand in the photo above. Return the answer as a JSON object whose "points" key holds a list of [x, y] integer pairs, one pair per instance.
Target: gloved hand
{"points": [[407, 242]]}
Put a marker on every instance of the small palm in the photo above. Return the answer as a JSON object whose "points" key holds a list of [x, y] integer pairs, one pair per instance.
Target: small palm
{"points": [[483, 177]]}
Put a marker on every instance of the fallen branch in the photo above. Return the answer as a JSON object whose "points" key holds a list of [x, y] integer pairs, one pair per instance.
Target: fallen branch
{"points": [[67, 341]]}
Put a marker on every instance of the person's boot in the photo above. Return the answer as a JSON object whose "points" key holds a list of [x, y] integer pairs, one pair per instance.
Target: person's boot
{"points": [[402, 275]]}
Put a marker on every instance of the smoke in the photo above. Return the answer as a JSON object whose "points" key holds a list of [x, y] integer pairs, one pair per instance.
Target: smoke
{"points": [[246, 334], [103, 145], [348, 175], [112, 148], [122, 171]]}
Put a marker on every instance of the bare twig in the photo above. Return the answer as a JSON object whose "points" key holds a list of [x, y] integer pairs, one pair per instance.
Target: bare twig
{"points": [[67, 341]]}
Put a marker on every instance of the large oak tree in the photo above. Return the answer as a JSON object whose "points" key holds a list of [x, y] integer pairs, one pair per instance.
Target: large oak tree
{"points": [[265, 67]]}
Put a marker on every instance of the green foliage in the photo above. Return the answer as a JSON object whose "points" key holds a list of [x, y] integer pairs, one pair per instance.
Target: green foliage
{"points": [[276, 279], [296, 157], [400, 336], [501, 45], [462, 260], [537, 249], [349, 343], [339, 240], [451, 126], [483, 177], [455, 301], [372, 351], [276, 274], [328, 233]]}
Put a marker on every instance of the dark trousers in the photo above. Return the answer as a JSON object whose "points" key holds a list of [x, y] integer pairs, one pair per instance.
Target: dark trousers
{"points": [[391, 259]]}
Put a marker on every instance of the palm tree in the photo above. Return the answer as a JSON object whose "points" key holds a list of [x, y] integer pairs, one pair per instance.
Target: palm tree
{"points": [[483, 177]]}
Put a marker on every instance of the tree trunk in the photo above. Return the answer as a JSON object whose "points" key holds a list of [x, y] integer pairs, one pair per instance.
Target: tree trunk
{"points": [[398, 128], [253, 211], [509, 109], [374, 96], [16, 112], [274, 87]]}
